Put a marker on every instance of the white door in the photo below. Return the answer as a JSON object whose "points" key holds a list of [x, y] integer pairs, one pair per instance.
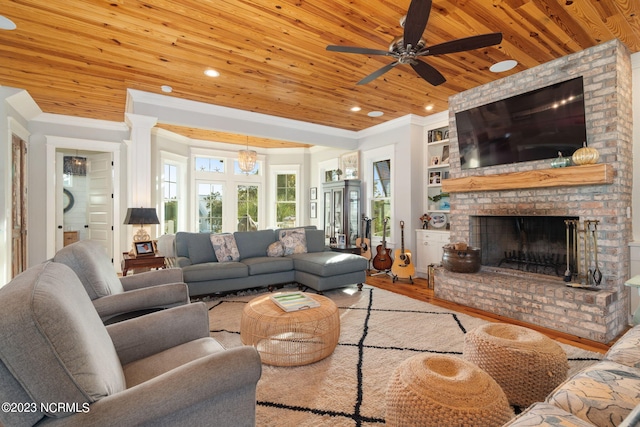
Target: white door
{"points": [[100, 199], [60, 205]]}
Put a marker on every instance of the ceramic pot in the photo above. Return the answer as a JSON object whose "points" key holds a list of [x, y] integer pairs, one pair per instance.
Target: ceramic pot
{"points": [[467, 261]]}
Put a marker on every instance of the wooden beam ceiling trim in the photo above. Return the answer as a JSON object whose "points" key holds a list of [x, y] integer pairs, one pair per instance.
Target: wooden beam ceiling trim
{"points": [[229, 138]]}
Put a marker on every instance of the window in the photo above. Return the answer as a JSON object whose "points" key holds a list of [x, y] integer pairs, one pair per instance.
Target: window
{"points": [[227, 199], [286, 205], [170, 198], [206, 164], [247, 207], [381, 200], [210, 207], [238, 171]]}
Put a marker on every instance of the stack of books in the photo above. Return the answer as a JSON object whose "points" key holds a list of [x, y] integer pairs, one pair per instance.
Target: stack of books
{"points": [[294, 301]]}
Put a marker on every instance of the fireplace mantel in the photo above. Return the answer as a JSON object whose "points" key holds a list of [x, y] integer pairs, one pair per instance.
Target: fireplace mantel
{"points": [[596, 174]]}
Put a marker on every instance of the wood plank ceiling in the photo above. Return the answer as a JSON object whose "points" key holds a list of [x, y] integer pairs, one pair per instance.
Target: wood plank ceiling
{"points": [[78, 57]]}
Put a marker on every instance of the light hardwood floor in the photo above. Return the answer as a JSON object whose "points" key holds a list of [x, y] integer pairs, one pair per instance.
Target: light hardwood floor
{"points": [[419, 290]]}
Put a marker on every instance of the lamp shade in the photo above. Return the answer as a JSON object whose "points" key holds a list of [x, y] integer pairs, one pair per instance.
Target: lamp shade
{"points": [[141, 216]]}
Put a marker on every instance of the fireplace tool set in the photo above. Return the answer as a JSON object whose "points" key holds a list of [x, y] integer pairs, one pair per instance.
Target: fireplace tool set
{"points": [[582, 248]]}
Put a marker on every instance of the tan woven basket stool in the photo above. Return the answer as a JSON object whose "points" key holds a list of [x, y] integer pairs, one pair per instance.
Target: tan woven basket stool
{"points": [[290, 338], [526, 364], [440, 390]]}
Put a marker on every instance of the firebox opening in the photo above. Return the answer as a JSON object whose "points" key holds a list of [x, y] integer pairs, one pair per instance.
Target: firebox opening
{"points": [[537, 244]]}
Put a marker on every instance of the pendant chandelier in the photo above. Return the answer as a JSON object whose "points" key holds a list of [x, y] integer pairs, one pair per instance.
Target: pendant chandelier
{"points": [[247, 159], [74, 165]]}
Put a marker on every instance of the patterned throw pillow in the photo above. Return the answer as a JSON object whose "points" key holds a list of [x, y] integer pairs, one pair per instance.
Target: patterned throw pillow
{"points": [[275, 249], [294, 241], [224, 245]]}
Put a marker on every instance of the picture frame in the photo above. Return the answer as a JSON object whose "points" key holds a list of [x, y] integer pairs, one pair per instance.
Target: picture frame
{"points": [[342, 240], [435, 178], [445, 154], [435, 160], [350, 165], [313, 211], [313, 193], [144, 248]]}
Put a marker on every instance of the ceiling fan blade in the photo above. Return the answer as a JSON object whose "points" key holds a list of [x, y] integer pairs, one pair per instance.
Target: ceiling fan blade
{"points": [[461, 45], [377, 73], [427, 72], [416, 21], [353, 49]]}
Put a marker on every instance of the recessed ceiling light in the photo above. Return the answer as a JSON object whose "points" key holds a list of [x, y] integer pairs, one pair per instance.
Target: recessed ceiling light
{"points": [[429, 107], [211, 72], [355, 109], [166, 88], [375, 113], [503, 66], [6, 23]]}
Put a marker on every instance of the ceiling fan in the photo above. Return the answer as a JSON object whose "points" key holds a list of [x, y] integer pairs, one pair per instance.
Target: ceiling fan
{"points": [[411, 46]]}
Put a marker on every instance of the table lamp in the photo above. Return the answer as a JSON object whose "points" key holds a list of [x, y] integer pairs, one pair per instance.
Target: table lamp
{"points": [[141, 216]]}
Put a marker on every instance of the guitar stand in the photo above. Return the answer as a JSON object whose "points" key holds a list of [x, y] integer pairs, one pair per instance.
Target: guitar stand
{"points": [[395, 278], [379, 273]]}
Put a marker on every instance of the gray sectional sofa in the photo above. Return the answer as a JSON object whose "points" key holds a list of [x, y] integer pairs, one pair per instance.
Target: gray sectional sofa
{"points": [[312, 264]]}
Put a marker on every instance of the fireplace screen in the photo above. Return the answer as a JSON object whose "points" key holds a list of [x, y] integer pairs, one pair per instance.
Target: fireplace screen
{"points": [[535, 244]]}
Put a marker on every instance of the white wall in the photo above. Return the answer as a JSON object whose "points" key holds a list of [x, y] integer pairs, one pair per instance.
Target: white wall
{"points": [[405, 136], [635, 202]]}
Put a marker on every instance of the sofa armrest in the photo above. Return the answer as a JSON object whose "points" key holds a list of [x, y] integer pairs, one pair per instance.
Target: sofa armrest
{"points": [[161, 296], [183, 261], [143, 336], [151, 278], [196, 385]]}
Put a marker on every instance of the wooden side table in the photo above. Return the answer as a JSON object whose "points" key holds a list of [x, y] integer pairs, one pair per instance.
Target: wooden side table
{"points": [[70, 237], [133, 262]]}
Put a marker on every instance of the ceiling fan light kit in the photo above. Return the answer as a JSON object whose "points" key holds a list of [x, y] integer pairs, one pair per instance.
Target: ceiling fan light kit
{"points": [[411, 46]]}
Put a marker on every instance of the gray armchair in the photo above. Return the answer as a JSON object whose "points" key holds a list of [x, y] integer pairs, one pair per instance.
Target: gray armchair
{"points": [[60, 365], [120, 298]]}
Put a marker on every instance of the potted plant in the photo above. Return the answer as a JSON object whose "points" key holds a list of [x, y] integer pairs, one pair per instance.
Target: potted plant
{"points": [[442, 199]]}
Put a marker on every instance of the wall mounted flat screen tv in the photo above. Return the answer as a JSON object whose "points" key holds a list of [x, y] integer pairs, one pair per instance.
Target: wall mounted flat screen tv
{"points": [[532, 126]]}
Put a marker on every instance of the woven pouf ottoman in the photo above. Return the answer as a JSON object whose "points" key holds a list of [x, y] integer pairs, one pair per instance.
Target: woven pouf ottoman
{"points": [[526, 364], [292, 338], [440, 390]]}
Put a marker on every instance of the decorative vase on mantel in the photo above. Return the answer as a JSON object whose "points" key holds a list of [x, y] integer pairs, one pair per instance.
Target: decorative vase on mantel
{"points": [[560, 161]]}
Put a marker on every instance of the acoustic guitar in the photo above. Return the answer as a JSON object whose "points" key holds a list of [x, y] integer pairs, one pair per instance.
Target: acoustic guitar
{"points": [[382, 261], [364, 243], [402, 266]]}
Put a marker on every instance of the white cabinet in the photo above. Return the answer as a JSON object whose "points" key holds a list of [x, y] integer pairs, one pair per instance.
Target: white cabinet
{"points": [[429, 250]]}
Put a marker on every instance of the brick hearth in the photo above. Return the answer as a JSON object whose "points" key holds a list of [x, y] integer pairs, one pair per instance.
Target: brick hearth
{"points": [[543, 300]]}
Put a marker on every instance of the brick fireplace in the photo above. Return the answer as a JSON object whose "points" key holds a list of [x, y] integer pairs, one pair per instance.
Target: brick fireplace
{"points": [[534, 296]]}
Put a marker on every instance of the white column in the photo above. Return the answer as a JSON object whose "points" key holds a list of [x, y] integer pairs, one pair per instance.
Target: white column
{"points": [[139, 159]]}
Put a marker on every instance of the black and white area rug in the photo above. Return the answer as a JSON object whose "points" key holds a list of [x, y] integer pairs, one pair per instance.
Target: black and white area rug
{"points": [[379, 330]]}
